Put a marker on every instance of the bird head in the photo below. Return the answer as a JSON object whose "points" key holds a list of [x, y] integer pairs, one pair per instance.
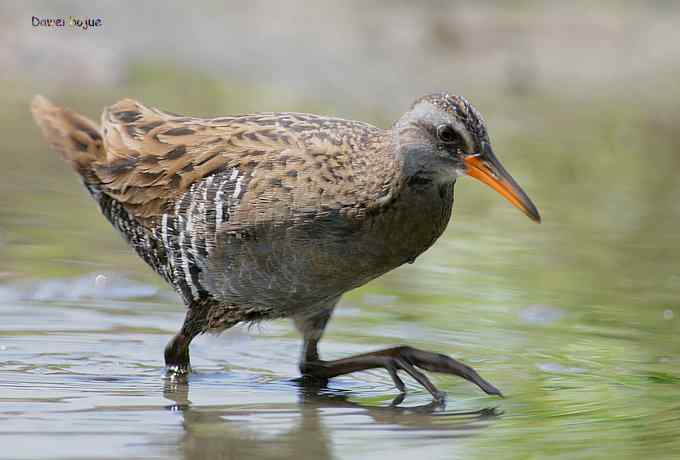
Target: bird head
{"points": [[443, 136]]}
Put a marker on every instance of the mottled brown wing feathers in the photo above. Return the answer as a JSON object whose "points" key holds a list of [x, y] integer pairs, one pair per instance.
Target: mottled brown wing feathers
{"points": [[153, 156], [293, 163]]}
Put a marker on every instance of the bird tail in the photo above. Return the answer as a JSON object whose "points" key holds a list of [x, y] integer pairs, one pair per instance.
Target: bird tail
{"points": [[76, 138]]}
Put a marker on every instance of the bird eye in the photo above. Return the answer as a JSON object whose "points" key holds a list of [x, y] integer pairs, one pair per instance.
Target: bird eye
{"points": [[447, 134]]}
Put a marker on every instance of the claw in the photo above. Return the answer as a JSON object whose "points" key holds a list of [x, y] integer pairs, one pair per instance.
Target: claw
{"points": [[398, 399]]}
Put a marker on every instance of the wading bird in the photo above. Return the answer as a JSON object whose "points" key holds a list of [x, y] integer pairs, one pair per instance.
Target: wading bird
{"points": [[272, 215]]}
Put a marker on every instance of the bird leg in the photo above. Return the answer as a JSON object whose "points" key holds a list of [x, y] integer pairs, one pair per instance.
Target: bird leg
{"points": [[402, 358], [177, 361]]}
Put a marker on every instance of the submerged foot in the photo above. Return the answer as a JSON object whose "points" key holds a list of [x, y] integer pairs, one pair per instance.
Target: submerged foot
{"points": [[173, 372], [177, 363]]}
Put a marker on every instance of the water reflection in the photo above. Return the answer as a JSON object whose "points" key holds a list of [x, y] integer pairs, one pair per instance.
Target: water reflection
{"points": [[307, 430]]}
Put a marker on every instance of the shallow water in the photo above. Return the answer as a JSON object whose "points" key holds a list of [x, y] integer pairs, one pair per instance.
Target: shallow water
{"points": [[582, 339]]}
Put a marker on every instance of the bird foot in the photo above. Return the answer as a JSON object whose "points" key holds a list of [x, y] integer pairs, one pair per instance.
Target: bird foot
{"points": [[402, 358], [173, 371], [177, 362]]}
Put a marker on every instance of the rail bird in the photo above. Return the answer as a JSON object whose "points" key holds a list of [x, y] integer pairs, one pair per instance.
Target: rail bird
{"points": [[276, 215]]}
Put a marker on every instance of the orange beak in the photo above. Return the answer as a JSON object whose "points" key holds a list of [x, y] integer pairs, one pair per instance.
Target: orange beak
{"points": [[486, 168]]}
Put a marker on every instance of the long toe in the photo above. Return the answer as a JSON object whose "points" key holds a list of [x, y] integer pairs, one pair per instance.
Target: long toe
{"points": [[437, 362]]}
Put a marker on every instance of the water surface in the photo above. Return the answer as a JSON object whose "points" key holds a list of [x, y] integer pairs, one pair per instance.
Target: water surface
{"points": [[587, 361]]}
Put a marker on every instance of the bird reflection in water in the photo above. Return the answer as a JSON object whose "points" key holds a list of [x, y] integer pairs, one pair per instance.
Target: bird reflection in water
{"points": [[307, 430]]}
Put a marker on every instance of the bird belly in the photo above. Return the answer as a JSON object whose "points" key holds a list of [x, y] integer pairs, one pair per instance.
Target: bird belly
{"points": [[285, 269]]}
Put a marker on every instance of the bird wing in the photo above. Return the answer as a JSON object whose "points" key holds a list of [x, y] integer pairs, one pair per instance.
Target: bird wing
{"points": [[287, 163]]}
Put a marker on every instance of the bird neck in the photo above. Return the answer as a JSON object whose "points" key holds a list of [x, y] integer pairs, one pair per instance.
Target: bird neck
{"points": [[418, 169], [402, 172]]}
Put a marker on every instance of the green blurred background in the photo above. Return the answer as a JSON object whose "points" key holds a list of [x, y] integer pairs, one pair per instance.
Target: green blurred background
{"points": [[577, 317]]}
